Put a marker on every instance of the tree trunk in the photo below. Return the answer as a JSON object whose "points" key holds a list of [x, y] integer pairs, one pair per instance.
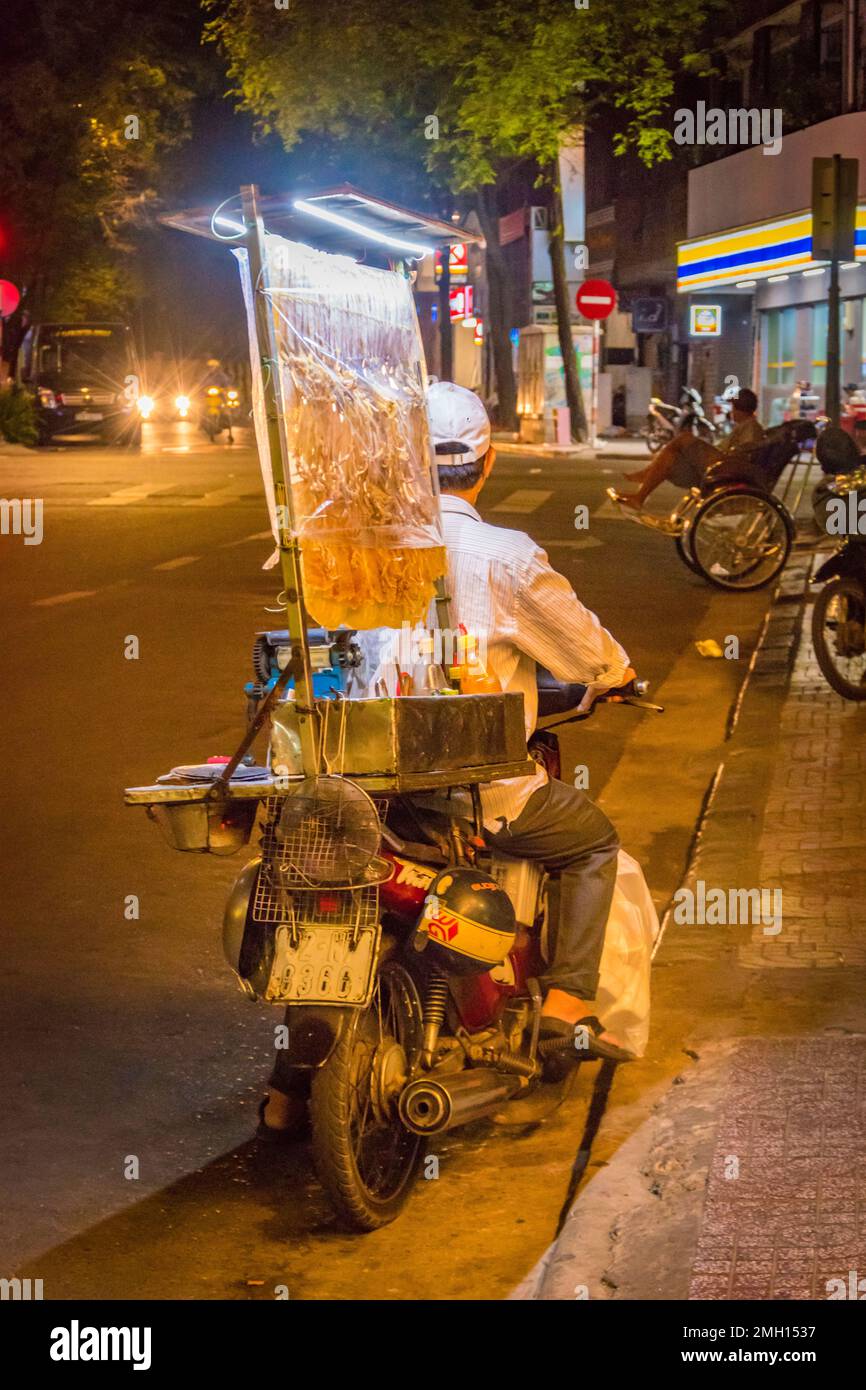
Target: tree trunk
{"points": [[556, 243], [499, 310], [446, 336]]}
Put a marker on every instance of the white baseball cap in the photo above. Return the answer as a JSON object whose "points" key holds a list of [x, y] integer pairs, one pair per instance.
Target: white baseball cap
{"points": [[457, 417]]}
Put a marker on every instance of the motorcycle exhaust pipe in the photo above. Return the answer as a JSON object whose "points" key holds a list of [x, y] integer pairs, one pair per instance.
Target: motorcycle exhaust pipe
{"points": [[429, 1106]]}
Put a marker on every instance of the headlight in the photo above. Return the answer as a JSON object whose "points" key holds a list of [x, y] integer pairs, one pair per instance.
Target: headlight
{"points": [[145, 407], [47, 398], [181, 404]]}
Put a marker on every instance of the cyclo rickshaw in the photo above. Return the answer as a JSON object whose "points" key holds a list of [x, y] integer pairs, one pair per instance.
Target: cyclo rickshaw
{"points": [[733, 530]]}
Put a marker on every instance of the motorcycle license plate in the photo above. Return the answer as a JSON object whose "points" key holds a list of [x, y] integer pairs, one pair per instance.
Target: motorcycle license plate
{"points": [[324, 967], [88, 414]]}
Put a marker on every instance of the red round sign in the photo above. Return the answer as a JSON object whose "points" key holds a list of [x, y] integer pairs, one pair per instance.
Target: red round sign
{"points": [[9, 298], [596, 299]]}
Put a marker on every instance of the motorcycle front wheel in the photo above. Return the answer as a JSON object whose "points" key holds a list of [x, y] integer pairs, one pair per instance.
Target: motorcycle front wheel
{"points": [[365, 1158], [740, 538], [839, 637]]}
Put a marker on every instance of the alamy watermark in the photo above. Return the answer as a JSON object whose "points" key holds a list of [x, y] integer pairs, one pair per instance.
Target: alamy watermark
{"points": [[736, 126], [22, 516], [720, 907]]}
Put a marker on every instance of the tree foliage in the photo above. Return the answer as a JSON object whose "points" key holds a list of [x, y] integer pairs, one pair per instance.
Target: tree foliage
{"points": [[75, 187]]}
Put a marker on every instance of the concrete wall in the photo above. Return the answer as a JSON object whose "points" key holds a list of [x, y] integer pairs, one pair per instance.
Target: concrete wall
{"points": [[753, 187]]}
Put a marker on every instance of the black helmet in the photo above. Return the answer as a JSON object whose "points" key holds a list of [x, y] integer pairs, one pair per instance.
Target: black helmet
{"points": [[836, 451], [468, 921]]}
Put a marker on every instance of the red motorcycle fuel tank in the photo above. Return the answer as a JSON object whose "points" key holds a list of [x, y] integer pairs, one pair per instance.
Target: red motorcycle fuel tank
{"points": [[404, 892], [479, 998]]}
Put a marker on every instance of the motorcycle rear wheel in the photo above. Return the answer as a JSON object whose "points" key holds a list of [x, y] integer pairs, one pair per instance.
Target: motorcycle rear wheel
{"points": [[841, 601], [365, 1159]]}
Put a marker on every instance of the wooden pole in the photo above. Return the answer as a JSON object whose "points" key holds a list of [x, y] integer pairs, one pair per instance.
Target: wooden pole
{"points": [[290, 555]]}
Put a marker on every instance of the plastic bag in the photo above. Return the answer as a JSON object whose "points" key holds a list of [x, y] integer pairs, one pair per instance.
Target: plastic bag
{"points": [[351, 381], [623, 1000]]}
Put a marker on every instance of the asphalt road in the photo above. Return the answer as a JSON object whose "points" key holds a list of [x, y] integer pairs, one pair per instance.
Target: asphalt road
{"points": [[125, 1037]]}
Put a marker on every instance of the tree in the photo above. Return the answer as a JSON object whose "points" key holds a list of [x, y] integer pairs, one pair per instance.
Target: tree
{"points": [[506, 83], [381, 73], [89, 104], [532, 74]]}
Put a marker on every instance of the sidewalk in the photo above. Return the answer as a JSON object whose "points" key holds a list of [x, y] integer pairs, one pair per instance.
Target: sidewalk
{"points": [[746, 1180], [626, 447]]}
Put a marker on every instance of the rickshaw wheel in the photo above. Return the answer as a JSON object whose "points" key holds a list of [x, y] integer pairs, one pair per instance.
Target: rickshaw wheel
{"points": [[740, 538], [682, 544]]}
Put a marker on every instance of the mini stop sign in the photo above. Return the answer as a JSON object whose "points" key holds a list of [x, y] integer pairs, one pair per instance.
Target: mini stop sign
{"points": [[596, 299], [9, 298]]}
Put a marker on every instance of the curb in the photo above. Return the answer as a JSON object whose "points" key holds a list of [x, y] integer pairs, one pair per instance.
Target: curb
{"points": [[578, 1257]]}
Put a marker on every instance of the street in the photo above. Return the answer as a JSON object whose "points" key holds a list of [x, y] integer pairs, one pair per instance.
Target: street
{"points": [[137, 1065]]}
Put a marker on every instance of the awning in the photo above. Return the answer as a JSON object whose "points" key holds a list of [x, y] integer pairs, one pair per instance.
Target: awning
{"points": [[343, 220], [754, 253]]}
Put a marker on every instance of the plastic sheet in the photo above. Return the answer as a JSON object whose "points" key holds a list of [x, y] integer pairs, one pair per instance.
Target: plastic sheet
{"points": [[623, 1000], [351, 383]]}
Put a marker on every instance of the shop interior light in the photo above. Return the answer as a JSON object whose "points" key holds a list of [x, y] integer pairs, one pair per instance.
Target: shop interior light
{"points": [[745, 284], [849, 265], [819, 270], [774, 279], [350, 225]]}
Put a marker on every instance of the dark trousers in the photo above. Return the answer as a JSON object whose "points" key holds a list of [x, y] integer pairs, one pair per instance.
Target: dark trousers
{"points": [[561, 829]]}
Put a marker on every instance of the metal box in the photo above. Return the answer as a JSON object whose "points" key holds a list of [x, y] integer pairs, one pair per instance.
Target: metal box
{"points": [[414, 742]]}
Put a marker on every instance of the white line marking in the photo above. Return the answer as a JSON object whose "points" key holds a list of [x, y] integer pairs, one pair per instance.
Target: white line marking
{"points": [[176, 564], [259, 536], [125, 495], [524, 500], [585, 543], [63, 598]]}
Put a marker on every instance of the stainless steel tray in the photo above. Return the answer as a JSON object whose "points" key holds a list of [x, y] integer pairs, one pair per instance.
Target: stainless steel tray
{"points": [[473, 737]]}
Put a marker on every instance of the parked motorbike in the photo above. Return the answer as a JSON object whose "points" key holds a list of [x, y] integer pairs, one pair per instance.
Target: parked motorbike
{"points": [[839, 614], [219, 408], [423, 951], [664, 421]]}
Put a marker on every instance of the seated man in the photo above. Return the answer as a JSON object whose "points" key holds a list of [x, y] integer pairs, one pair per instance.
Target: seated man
{"points": [[501, 586], [685, 459]]}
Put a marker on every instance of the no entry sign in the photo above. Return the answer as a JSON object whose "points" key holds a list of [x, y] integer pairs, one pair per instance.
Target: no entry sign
{"points": [[596, 299]]}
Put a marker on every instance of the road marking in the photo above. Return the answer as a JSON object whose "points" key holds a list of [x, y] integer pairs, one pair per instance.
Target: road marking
{"points": [[125, 495], [63, 598], [221, 496], [609, 511], [176, 564], [259, 536], [585, 543], [524, 500]]}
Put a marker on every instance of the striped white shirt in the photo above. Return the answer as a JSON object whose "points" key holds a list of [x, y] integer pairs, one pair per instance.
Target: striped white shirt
{"points": [[504, 591]]}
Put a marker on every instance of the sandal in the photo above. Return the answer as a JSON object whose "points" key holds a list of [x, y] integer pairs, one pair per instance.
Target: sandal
{"points": [[565, 1045], [267, 1134]]}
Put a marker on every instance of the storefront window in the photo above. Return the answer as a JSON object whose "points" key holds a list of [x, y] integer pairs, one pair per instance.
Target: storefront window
{"points": [[819, 343], [781, 362]]}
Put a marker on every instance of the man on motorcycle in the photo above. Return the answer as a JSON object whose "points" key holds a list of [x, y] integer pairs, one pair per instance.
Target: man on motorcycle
{"points": [[502, 587], [685, 459]]}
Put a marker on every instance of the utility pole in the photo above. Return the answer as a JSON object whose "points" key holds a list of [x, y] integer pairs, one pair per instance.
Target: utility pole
{"points": [[834, 210]]}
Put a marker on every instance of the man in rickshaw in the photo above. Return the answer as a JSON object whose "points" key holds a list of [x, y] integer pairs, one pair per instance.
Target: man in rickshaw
{"points": [[685, 459]]}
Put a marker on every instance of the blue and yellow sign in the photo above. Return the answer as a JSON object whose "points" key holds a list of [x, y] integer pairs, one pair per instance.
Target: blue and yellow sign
{"points": [[754, 253]]}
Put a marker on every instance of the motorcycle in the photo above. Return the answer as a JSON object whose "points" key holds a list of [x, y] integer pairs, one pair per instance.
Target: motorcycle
{"points": [[219, 408], [425, 972], [839, 614], [664, 421]]}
